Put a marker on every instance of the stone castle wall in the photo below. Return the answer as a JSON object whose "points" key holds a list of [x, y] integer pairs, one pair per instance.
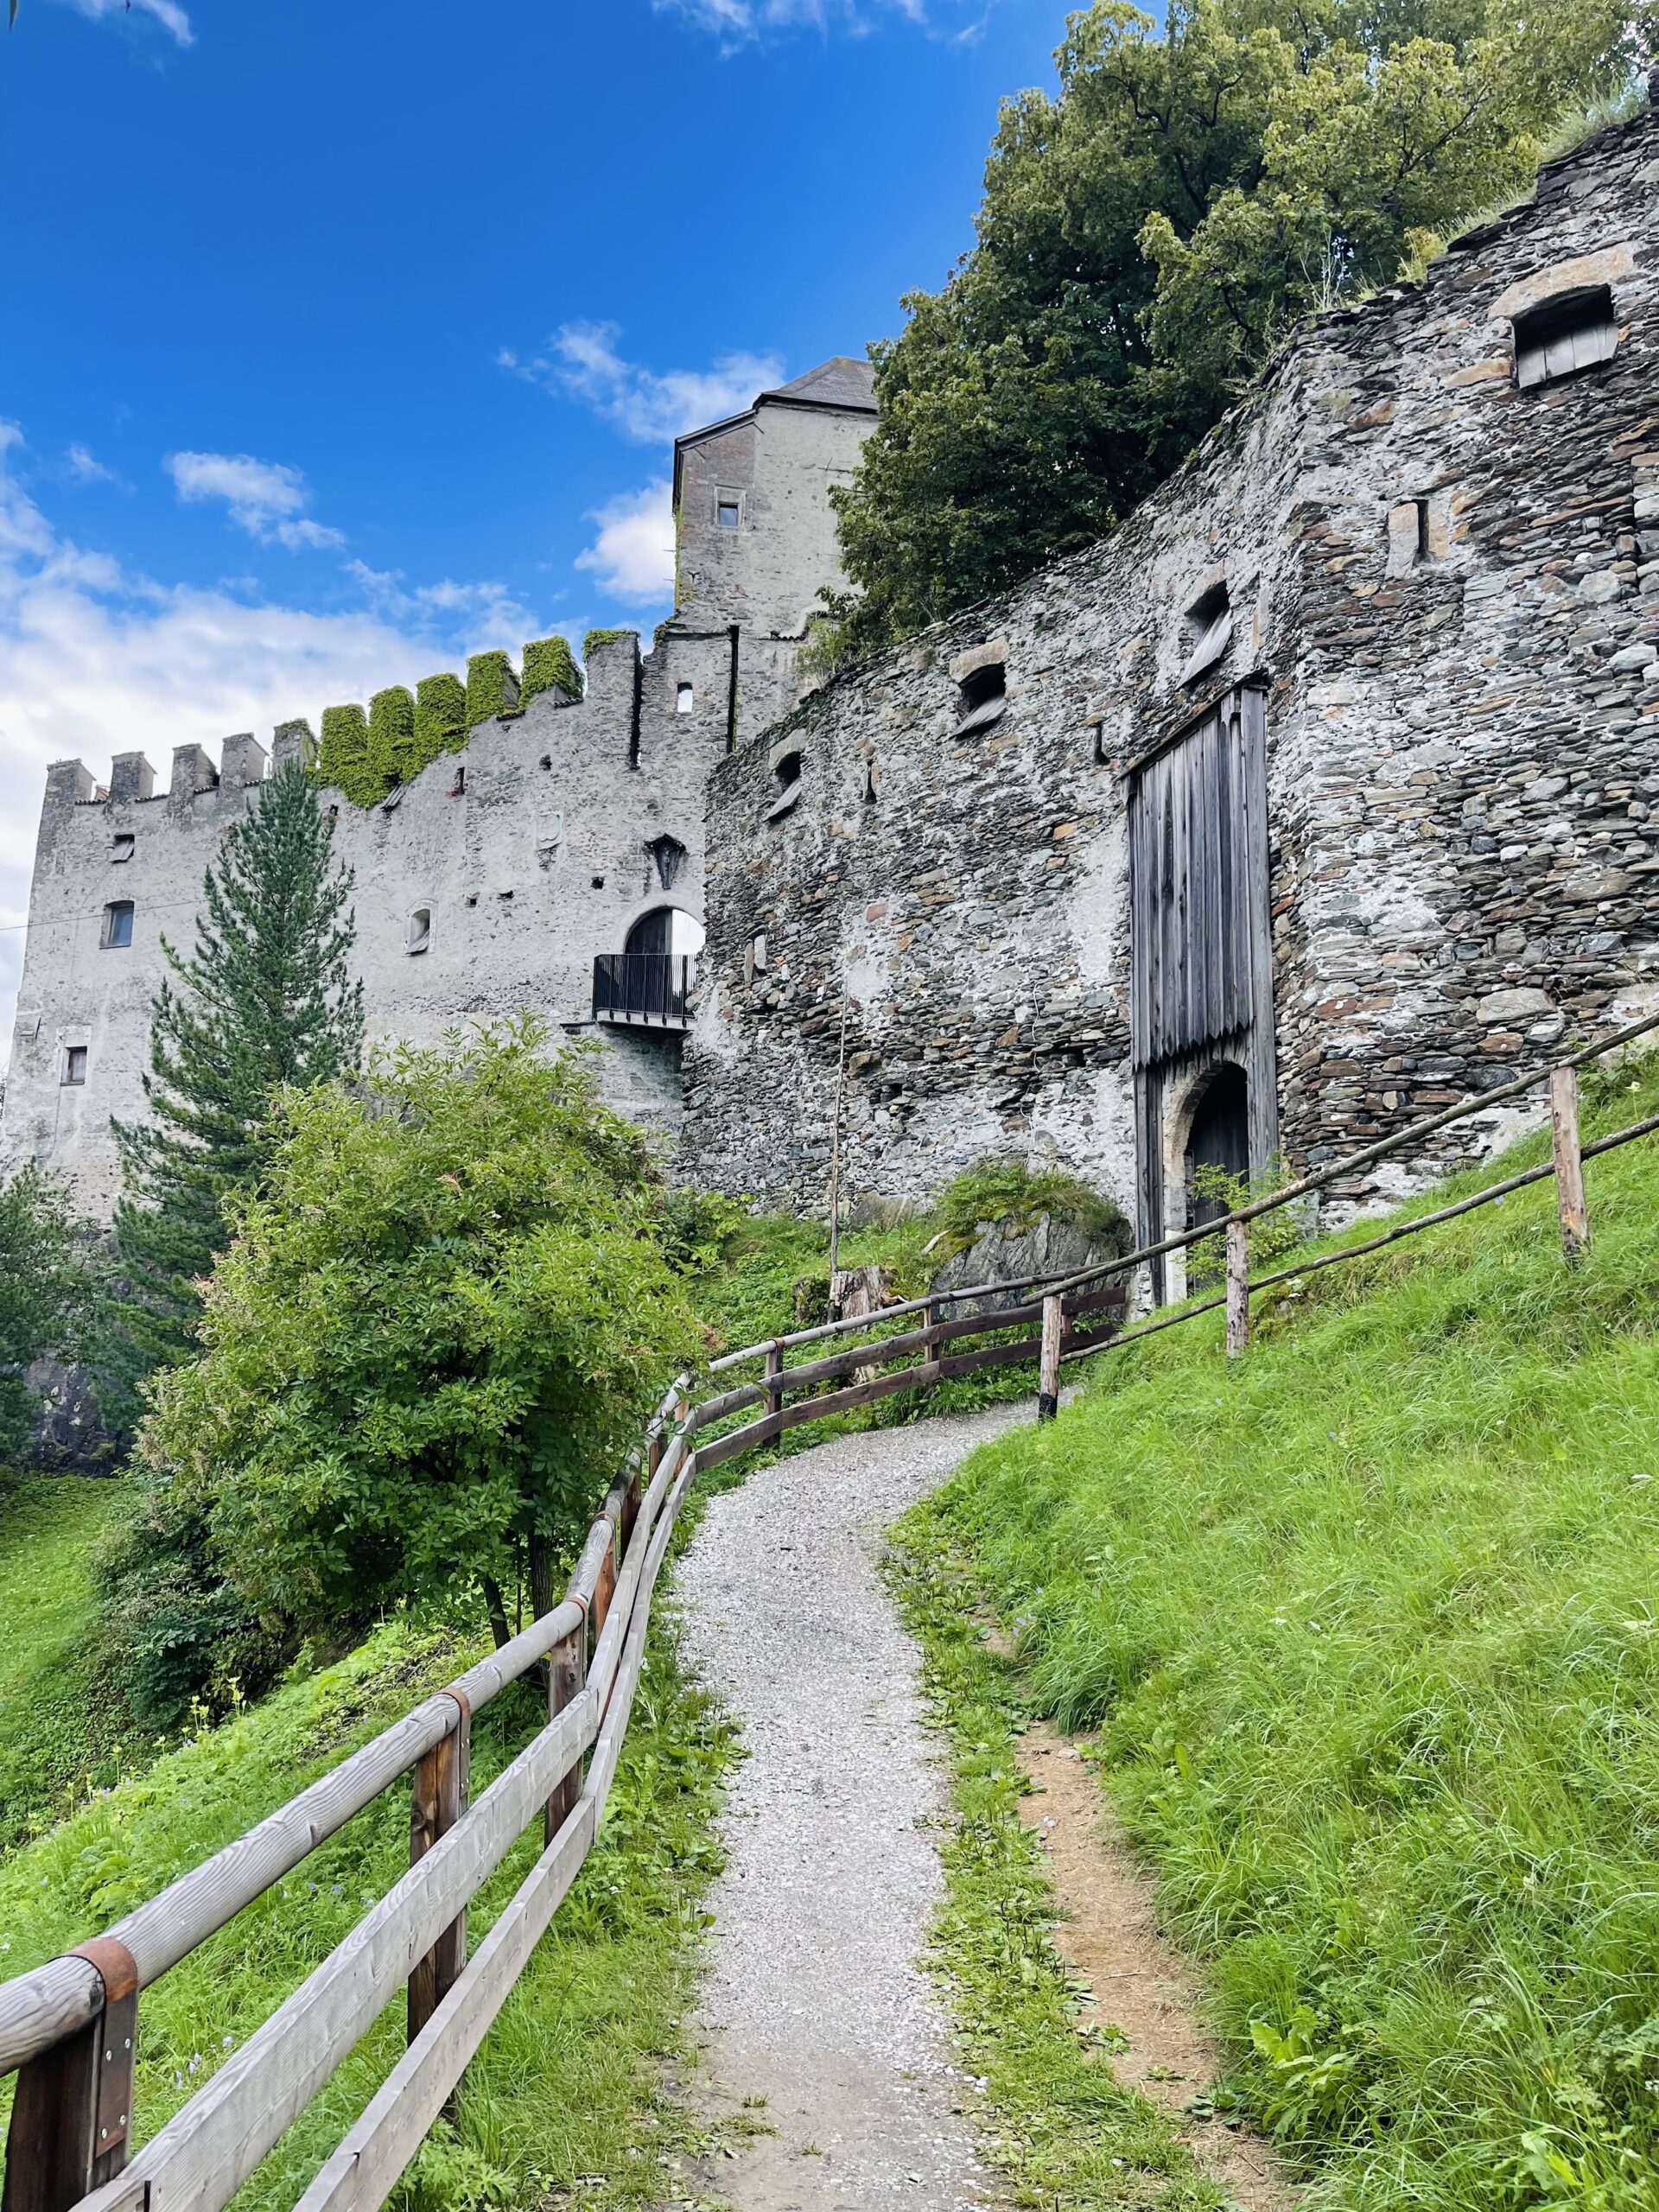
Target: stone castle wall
{"points": [[1447, 587]]}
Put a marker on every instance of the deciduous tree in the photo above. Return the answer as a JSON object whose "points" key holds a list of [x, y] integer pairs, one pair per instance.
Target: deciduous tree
{"points": [[1147, 235], [445, 1315]]}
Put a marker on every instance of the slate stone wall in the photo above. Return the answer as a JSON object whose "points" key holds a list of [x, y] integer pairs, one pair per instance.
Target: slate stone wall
{"points": [[1463, 728]]}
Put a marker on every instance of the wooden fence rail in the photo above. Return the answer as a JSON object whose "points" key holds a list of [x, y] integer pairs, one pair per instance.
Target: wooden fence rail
{"points": [[70, 2028]]}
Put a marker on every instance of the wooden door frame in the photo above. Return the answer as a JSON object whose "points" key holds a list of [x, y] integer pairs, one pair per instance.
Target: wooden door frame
{"points": [[1160, 1085]]}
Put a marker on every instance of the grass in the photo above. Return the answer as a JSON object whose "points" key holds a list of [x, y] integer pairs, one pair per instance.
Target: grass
{"points": [[1064, 2129], [1367, 1625], [563, 2089], [56, 1733]]}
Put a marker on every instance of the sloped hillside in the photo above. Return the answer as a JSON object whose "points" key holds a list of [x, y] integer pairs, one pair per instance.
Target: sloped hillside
{"points": [[1368, 1625]]}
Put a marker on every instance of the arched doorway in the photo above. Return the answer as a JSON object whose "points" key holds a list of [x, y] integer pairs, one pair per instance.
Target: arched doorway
{"points": [[665, 929], [649, 980], [1219, 1136]]}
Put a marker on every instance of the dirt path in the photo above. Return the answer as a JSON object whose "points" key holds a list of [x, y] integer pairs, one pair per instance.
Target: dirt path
{"points": [[1110, 1936], [815, 2001]]}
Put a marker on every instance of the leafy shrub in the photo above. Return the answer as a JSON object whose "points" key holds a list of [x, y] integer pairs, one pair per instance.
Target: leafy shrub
{"points": [[443, 1318], [548, 666]]}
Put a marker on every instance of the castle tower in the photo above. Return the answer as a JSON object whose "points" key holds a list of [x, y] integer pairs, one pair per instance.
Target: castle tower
{"points": [[755, 532]]}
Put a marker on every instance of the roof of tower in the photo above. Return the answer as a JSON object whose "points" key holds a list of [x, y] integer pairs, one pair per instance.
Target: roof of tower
{"points": [[839, 382]]}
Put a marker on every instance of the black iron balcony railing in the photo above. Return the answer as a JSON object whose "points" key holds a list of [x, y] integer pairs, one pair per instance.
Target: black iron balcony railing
{"points": [[642, 986]]}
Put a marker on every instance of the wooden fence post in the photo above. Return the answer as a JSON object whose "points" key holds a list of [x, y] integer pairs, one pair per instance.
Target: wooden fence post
{"points": [[933, 1344], [1239, 1287], [436, 1801], [774, 1389], [1569, 1164], [1048, 1378], [72, 2116], [565, 1677]]}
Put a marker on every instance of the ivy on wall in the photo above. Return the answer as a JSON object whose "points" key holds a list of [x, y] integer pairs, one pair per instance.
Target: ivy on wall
{"points": [[440, 716], [492, 688], [391, 736], [343, 757], [364, 756], [595, 638], [549, 665]]}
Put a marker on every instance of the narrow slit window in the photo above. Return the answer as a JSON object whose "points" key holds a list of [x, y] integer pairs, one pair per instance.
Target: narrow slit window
{"points": [[75, 1064], [419, 938], [682, 698], [1209, 629], [117, 924], [121, 845], [1572, 332]]}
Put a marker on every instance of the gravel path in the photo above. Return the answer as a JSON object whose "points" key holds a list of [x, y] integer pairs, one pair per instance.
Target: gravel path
{"points": [[815, 1999]]}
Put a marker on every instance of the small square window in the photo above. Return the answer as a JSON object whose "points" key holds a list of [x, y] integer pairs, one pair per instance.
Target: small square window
{"points": [[982, 697], [1573, 331], [117, 924], [121, 846], [1209, 631], [727, 514], [75, 1064]]}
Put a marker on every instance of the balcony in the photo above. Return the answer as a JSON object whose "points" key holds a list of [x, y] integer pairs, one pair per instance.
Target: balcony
{"points": [[643, 989]]}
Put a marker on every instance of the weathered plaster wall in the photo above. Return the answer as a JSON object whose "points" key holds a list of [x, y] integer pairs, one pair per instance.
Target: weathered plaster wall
{"points": [[1462, 754]]}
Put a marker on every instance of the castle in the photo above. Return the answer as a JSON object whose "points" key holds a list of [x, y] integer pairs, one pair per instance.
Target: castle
{"points": [[553, 864], [1325, 789]]}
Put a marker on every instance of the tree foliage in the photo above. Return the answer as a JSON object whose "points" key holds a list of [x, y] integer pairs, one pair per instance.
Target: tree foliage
{"points": [[266, 1000], [46, 1289], [1146, 236], [445, 1315]]}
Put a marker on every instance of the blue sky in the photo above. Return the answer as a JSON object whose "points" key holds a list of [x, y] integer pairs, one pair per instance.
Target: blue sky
{"points": [[344, 337]]}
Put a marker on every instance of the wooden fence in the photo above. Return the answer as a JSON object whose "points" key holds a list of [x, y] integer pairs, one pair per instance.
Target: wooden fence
{"points": [[70, 2029]]}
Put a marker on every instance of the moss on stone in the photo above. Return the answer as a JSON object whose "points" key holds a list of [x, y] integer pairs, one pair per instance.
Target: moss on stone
{"points": [[549, 665], [492, 688], [595, 638], [344, 758], [439, 716]]}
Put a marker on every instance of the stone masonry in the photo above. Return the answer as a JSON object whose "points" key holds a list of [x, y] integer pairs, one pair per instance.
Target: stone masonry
{"points": [[1438, 547]]}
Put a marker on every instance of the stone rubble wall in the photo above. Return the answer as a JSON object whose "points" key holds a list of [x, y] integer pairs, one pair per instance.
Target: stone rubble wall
{"points": [[1463, 762]]}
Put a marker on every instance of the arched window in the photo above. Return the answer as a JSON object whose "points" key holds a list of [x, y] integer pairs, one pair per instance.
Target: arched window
{"points": [[420, 930]]}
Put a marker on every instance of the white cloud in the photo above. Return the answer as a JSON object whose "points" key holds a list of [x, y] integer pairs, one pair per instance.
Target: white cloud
{"points": [[738, 22], [86, 468], [171, 18], [264, 498], [582, 362], [477, 615], [632, 556], [96, 659]]}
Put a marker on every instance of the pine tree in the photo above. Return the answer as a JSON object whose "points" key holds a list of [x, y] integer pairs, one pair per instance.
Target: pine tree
{"points": [[267, 998]]}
